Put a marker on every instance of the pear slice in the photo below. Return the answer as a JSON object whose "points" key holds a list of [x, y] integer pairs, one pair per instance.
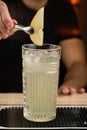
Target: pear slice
{"points": [[37, 24]]}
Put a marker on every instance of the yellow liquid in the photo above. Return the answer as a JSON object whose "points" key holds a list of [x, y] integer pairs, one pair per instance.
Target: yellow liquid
{"points": [[40, 90]]}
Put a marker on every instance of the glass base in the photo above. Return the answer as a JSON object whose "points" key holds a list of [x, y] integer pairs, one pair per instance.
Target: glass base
{"points": [[39, 118]]}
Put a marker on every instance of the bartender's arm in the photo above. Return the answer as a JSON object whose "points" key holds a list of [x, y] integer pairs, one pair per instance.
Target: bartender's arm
{"points": [[74, 58]]}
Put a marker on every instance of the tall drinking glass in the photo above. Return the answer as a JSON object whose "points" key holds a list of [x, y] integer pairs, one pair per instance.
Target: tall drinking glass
{"points": [[40, 81]]}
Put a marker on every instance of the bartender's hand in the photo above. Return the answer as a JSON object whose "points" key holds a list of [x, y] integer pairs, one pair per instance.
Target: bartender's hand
{"points": [[69, 87], [6, 22], [75, 80]]}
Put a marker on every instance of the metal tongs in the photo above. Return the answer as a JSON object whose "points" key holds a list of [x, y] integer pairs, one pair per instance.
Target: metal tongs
{"points": [[29, 30]]}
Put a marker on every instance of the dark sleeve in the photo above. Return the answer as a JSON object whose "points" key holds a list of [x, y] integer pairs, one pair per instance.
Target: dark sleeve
{"points": [[68, 21], [7, 1]]}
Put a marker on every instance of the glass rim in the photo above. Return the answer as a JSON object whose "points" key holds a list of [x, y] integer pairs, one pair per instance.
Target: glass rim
{"points": [[31, 45]]}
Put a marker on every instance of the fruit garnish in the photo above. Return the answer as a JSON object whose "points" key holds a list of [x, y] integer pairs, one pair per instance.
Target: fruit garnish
{"points": [[37, 24]]}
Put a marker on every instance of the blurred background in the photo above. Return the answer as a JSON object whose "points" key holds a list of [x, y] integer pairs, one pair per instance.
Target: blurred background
{"points": [[80, 7]]}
